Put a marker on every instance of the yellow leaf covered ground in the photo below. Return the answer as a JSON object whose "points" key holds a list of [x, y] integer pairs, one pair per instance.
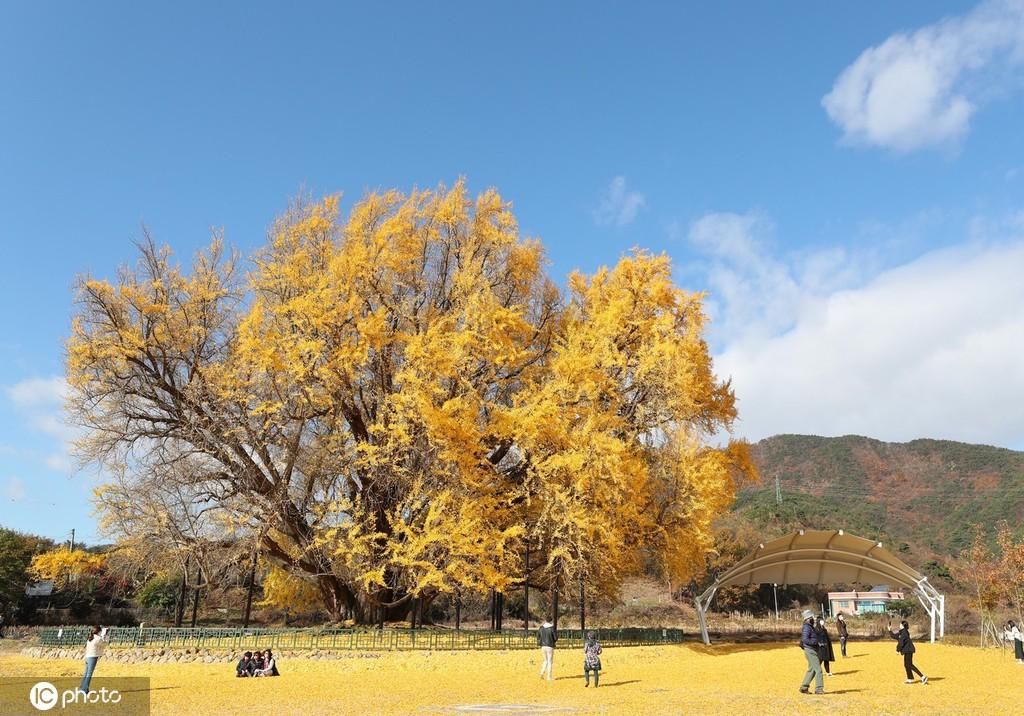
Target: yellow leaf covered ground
{"points": [[728, 679]]}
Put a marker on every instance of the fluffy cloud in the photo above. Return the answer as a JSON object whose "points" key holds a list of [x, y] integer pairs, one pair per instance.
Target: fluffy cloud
{"points": [[41, 400], [619, 206], [38, 392], [930, 348], [921, 89]]}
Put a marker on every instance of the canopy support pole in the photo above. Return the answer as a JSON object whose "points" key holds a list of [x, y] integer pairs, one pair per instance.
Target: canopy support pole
{"points": [[703, 602], [934, 603]]}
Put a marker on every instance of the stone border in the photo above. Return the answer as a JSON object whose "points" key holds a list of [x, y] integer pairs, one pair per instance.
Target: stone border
{"points": [[187, 656]]}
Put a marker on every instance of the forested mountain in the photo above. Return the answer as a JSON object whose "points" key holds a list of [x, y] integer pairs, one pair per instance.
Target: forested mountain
{"points": [[921, 498]]}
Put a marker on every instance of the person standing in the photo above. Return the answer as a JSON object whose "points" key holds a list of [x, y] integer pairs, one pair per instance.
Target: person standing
{"points": [[546, 638], [844, 633], [809, 644], [591, 659], [905, 646], [825, 653], [1013, 632], [94, 648]]}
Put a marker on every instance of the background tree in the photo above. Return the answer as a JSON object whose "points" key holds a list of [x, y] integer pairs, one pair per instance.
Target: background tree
{"points": [[393, 407], [16, 552], [1010, 571], [64, 567], [979, 571]]}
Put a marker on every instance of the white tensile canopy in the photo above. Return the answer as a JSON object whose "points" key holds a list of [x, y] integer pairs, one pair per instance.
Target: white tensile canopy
{"points": [[833, 557]]}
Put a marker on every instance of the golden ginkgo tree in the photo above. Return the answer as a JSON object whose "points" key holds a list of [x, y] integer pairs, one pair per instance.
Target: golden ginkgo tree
{"points": [[401, 403]]}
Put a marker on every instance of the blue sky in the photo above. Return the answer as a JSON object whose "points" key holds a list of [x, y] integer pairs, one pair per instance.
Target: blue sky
{"points": [[845, 180]]}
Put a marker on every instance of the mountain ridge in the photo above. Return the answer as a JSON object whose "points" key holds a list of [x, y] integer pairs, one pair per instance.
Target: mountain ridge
{"points": [[923, 496]]}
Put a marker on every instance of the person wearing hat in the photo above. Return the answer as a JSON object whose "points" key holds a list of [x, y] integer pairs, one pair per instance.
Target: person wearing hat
{"points": [[809, 643], [844, 633]]}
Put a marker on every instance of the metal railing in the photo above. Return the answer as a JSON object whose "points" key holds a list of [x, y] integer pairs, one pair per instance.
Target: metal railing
{"points": [[346, 639]]}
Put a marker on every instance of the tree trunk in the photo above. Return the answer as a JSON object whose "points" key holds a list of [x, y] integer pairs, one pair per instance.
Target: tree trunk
{"points": [[554, 606], [179, 612], [526, 589], [583, 610], [458, 612], [195, 597], [248, 596]]}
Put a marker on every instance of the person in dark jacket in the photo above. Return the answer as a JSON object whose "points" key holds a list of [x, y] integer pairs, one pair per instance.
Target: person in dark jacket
{"points": [[244, 667], [809, 644], [825, 653], [546, 638], [905, 646], [844, 633]]}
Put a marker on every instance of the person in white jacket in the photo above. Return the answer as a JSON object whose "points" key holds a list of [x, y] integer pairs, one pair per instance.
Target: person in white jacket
{"points": [[1012, 631], [94, 648]]}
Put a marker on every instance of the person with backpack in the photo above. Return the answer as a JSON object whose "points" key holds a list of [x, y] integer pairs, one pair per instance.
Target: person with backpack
{"points": [[844, 633], [591, 659], [546, 638], [809, 645], [905, 646]]}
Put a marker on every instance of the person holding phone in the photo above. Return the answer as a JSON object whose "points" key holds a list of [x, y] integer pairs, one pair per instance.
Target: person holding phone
{"points": [[94, 648], [905, 646]]}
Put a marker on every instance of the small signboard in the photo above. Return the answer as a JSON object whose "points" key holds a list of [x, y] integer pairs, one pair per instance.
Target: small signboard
{"points": [[39, 589]]}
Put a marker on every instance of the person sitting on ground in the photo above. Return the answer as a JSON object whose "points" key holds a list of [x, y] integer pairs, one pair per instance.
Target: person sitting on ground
{"points": [[269, 665], [244, 667], [257, 662]]}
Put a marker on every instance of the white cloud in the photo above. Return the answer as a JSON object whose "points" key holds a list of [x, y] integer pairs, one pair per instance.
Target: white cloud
{"points": [[830, 344], [619, 206], [41, 400], [13, 490], [921, 89], [754, 294], [37, 392], [59, 462]]}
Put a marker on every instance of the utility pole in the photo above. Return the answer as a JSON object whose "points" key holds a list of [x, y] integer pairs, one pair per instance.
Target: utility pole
{"points": [[72, 539]]}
